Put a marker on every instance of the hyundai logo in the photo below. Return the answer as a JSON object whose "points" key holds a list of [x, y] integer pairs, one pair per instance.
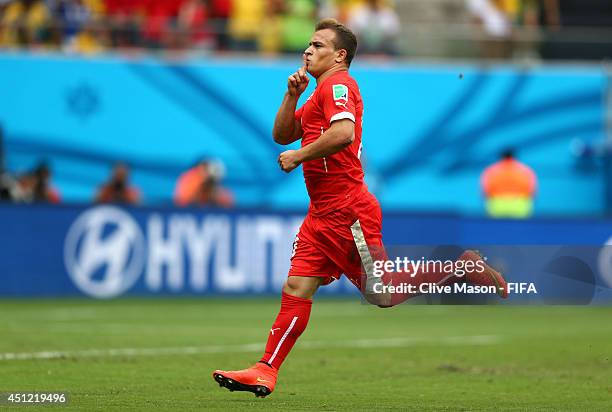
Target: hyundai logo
{"points": [[104, 252]]}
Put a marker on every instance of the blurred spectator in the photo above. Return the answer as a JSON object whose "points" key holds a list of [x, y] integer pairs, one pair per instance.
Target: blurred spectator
{"points": [[270, 35], [220, 11], [9, 190], [193, 21], [245, 23], [341, 10], [118, 189], [95, 7], [496, 21], [125, 17], [72, 16], [376, 26], [94, 36], [509, 187], [87, 41], [1, 148], [36, 186], [25, 23], [160, 23], [200, 186], [541, 12], [3, 6], [297, 24], [573, 17], [532, 17]]}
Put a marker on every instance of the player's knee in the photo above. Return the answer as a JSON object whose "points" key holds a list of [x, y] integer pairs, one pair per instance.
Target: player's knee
{"points": [[302, 287]]}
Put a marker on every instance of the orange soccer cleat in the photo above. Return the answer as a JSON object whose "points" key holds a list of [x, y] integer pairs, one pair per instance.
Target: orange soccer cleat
{"points": [[259, 379], [488, 277]]}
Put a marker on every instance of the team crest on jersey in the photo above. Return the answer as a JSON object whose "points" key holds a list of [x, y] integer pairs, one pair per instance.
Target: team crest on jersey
{"points": [[340, 93]]}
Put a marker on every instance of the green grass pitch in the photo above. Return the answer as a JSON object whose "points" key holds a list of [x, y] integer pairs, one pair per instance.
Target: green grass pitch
{"points": [[145, 354]]}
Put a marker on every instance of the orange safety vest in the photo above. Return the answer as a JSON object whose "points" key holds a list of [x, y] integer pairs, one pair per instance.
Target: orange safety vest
{"points": [[509, 187]]}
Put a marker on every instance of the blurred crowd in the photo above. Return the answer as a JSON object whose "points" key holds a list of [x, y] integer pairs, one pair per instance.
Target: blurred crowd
{"points": [[551, 29], [200, 185], [500, 19], [265, 26], [503, 28], [31, 187]]}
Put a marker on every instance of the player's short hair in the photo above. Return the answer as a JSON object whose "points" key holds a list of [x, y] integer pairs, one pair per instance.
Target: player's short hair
{"points": [[345, 38]]}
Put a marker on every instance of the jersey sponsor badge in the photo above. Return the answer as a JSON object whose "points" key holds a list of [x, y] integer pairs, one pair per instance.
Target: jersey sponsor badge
{"points": [[340, 93]]}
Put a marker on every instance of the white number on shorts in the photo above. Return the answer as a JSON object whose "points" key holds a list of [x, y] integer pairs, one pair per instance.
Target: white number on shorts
{"points": [[294, 246]]}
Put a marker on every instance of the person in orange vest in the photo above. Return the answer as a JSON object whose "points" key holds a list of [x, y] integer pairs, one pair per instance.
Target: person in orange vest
{"points": [[509, 187], [200, 186]]}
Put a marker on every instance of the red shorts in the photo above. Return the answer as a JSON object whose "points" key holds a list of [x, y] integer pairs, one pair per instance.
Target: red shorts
{"points": [[328, 246]]}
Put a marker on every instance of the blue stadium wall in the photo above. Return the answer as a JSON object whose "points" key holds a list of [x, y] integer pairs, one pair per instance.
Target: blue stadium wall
{"points": [[427, 133], [106, 252]]}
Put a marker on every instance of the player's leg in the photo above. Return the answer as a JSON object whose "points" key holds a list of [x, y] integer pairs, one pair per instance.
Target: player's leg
{"points": [[367, 241], [292, 319], [309, 270], [479, 274], [303, 287]]}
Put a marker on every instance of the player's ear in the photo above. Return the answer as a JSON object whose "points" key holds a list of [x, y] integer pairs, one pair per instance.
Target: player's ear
{"points": [[341, 55]]}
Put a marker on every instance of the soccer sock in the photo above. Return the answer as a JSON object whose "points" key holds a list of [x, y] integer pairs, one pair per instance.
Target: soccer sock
{"points": [[289, 325]]}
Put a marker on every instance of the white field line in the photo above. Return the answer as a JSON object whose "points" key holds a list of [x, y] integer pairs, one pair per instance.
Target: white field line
{"points": [[477, 340]]}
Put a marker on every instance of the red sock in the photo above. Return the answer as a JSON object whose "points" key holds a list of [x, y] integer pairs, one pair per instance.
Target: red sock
{"points": [[289, 325]]}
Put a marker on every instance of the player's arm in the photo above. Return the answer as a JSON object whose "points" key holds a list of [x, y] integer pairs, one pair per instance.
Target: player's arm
{"points": [[286, 128], [340, 134]]}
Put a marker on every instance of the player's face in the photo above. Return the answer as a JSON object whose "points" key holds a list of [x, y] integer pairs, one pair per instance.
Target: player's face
{"points": [[321, 54]]}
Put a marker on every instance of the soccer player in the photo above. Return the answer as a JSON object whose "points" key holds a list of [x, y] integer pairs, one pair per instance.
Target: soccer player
{"points": [[342, 230]]}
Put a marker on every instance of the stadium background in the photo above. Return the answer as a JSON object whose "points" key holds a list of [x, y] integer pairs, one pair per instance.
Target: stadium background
{"points": [[142, 86]]}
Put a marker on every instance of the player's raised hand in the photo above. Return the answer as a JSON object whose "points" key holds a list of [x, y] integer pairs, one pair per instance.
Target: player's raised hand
{"points": [[289, 160], [298, 82]]}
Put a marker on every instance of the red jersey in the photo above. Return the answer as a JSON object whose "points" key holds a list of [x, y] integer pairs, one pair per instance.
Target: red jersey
{"points": [[333, 181]]}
